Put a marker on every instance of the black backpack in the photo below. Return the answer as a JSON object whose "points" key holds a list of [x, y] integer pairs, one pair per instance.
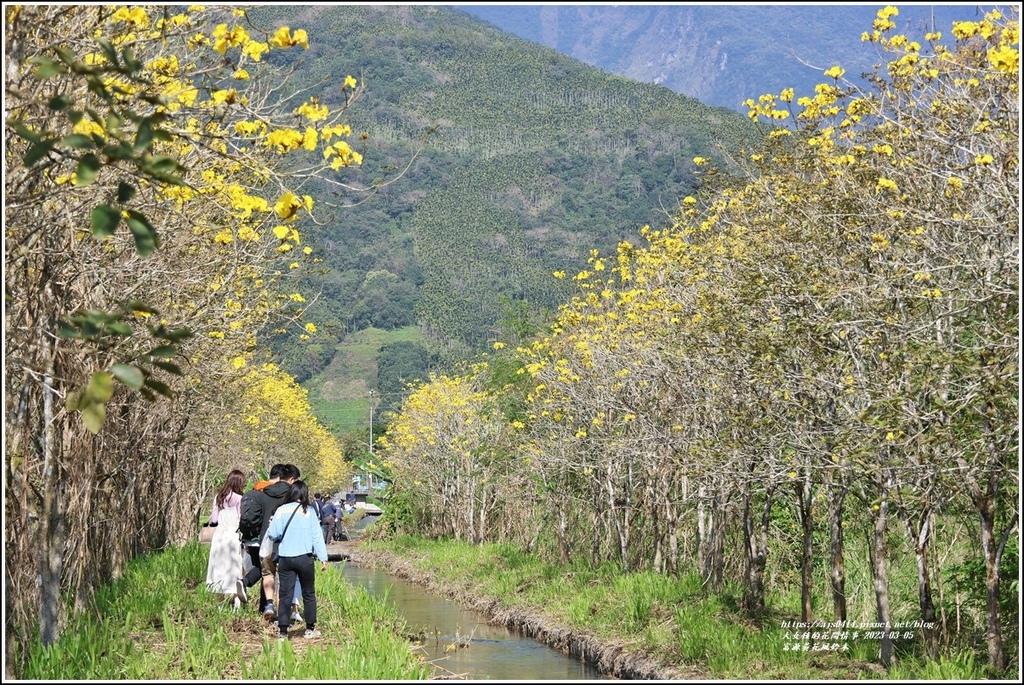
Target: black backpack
{"points": [[250, 522]]}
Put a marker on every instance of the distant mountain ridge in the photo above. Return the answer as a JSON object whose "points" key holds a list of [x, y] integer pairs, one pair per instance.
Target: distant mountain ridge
{"points": [[719, 54], [534, 159]]}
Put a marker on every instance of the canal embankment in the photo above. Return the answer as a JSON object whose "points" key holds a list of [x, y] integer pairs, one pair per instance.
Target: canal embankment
{"points": [[614, 658]]}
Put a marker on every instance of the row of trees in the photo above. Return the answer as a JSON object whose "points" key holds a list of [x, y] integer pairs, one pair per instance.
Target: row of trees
{"points": [[152, 223], [835, 330]]}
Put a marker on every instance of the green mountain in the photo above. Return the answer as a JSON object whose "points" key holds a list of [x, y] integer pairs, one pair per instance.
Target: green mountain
{"points": [[533, 159], [721, 54]]}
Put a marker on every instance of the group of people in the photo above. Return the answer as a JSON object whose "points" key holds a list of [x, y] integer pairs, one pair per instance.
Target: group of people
{"points": [[330, 512], [279, 509]]}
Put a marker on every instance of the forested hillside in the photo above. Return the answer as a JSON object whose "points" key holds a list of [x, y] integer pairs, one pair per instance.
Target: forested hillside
{"points": [[532, 160]]}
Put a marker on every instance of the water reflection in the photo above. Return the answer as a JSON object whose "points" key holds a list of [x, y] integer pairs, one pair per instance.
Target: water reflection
{"points": [[493, 652]]}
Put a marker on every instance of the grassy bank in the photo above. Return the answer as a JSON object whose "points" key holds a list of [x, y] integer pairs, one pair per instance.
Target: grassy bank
{"points": [[674, 621], [159, 622]]}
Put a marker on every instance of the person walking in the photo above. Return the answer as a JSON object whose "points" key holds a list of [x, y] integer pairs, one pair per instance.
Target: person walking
{"points": [[328, 516], [257, 508], [274, 495], [249, 527], [224, 565], [301, 539]]}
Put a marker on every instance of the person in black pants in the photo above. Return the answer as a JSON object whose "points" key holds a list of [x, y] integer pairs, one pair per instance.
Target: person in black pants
{"points": [[269, 498], [328, 516], [296, 527]]}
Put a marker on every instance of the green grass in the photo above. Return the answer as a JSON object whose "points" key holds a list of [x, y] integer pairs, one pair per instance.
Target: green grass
{"points": [[961, 666], [677, 619], [342, 416], [158, 622], [340, 395]]}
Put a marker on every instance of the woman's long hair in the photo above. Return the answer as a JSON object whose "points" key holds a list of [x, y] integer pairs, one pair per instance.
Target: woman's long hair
{"points": [[234, 483], [299, 492]]}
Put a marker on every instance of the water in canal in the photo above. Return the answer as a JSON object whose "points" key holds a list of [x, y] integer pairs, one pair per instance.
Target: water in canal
{"points": [[493, 652]]}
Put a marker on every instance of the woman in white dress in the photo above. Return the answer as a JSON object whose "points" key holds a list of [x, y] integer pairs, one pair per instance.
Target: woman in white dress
{"points": [[224, 567]]}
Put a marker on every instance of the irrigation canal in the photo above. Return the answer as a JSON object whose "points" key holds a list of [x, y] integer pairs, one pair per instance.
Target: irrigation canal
{"points": [[460, 643]]}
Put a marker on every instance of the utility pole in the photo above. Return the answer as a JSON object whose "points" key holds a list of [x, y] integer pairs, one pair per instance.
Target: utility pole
{"points": [[371, 423], [369, 476]]}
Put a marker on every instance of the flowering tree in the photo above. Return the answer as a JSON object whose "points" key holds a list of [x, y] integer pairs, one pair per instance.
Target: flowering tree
{"points": [[154, 167], [446, 448], [839, 317]]}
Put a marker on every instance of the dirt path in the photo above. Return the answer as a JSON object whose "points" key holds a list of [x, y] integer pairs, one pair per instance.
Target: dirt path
{"points": [[612, 658]]}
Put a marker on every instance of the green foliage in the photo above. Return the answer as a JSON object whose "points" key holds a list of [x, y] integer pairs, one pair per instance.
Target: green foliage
{"points": [[506, 189], [962, 666], [399, 364], [130, 137], [158, 622], [106, 330], [968, 578], [303, 361], [404, 509]]}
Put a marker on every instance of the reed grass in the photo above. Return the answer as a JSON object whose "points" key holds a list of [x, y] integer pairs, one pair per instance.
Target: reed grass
{"points": [[159, 622], [961, 666]]}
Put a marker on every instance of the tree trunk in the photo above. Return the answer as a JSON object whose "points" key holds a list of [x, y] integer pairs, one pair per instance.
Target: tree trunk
{"points": [[657, 527], [50, 538], [627, 514], [621, 519], [711, 542], [469, 509], [986, 505], [563, 543], [943, 619], [703, 549], [672, 522], [880, 574], [446, 522], [482, 532], [837, 576], [718, 543], [756, 545], [920, 536], [805, 502]]}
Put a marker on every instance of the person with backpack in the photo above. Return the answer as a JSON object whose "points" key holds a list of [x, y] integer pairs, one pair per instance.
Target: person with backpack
{"points": [[257, 507], [297, 530], [273, 497], [250, 520]]}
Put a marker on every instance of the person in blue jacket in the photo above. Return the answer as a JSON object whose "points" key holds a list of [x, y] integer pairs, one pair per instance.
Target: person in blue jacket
{"points": [[328, 516], [297, 527]]}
